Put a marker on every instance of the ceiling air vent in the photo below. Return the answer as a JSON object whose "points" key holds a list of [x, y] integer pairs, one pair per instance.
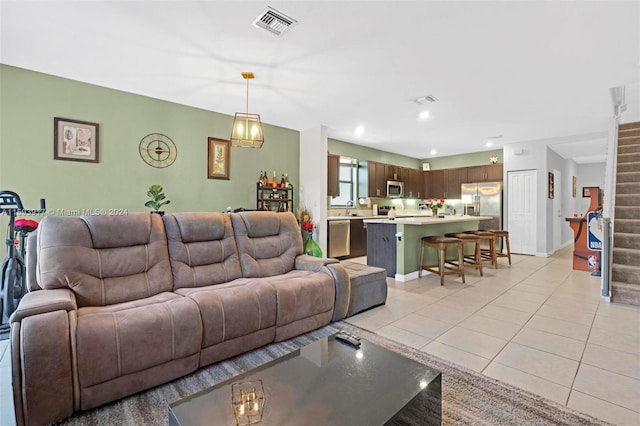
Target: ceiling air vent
{"points": [[425, 99], [274, 21]]}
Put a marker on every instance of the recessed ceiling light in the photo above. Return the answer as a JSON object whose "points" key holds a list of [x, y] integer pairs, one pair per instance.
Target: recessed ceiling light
{"points": [[359, 131], [433, 152], [488, 144], [423, 115]]}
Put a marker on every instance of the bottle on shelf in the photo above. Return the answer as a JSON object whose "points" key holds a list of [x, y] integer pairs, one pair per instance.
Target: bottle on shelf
{"points": [[282, 183], [286, 180], [265, 179], [260, 179], [274, 181]]}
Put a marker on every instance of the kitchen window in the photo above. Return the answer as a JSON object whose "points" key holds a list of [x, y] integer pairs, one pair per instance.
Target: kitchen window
{"points": [[347, 177]]}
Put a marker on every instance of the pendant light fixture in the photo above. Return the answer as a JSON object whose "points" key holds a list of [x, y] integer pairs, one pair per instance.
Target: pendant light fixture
{"points": [[247, 128]]}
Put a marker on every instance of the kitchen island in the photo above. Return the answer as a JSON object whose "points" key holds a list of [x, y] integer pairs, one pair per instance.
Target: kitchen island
{"points": [[395, 244]]}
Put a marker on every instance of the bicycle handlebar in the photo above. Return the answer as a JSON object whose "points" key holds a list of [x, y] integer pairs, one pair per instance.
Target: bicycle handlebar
{"points": [[10, 201]]}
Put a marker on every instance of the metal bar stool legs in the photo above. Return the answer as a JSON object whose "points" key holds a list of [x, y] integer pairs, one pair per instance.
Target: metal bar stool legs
{"points": [[444, 266]]}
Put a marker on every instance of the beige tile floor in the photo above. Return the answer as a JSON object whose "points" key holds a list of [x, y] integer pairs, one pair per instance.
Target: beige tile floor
{"points": [[536, 324]]}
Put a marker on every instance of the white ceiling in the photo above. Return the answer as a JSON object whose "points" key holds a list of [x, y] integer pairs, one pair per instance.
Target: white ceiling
{"points": [[529, 71]]}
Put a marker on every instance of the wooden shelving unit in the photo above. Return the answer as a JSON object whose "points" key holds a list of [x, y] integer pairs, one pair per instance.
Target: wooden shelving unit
{"points": [[276, 199]]}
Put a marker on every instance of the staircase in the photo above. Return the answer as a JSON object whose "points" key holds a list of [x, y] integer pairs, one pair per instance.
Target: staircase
{"points": [[625, 273]]}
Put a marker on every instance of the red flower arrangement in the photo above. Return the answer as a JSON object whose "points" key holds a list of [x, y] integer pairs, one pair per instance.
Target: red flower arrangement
{"points": [[307, 226]]}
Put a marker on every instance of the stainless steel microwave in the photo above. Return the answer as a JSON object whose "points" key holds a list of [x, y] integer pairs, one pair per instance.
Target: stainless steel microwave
{"points": [[395, 189]]}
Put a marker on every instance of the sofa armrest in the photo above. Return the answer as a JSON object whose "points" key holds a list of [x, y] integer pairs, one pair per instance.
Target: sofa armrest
{"points": [[340, 278], [309, 263], [42, 301]]}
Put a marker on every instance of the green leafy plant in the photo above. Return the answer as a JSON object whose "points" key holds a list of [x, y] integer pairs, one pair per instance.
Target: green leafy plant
{"points": [[158, 199]]}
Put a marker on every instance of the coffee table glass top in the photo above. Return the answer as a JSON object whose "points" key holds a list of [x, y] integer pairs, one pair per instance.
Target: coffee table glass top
{"points": [[324, 383]]}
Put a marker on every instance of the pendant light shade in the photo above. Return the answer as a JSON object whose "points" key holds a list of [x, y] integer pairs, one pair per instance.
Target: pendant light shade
{"points": [[247, 128]]}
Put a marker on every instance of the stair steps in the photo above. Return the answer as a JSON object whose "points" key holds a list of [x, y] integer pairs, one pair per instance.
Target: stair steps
{"points": [[625, 270]]}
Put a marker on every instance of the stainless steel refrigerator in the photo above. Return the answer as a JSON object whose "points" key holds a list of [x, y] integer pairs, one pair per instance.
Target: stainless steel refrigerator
{"points": [[483, 199]]}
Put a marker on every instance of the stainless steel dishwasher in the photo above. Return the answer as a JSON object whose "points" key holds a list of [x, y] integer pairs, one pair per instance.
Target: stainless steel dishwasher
{"points": [[339, 238]]}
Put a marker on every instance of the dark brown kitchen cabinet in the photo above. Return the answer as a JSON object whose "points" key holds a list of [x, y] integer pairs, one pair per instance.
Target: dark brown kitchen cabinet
{"points": [[425, 184], [392, 172], [380, 187], [446, 183], [412, 179], [494, 172], [437, 183], [486, 173], [454, 180], [372, 181], [333, 175], [358, 242]]}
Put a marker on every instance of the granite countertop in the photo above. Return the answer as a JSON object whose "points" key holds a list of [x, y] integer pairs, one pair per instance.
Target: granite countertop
{"points": [[427, 220]]}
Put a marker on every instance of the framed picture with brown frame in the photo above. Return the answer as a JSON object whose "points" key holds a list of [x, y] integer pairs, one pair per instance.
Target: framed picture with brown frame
{"points": [[219, 159], [586, 192], [75, 140], [573, 187], [551, 185]]}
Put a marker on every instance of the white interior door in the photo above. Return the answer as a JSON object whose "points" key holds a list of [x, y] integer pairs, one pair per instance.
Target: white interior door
{"points": [[557, 210], [521, 210]]}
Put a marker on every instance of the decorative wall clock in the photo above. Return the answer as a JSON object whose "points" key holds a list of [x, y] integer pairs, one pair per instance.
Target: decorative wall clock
{"points": [[158, 150]]}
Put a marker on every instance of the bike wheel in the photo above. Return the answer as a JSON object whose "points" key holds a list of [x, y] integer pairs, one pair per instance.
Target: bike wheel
{"points": [[9, 300]]}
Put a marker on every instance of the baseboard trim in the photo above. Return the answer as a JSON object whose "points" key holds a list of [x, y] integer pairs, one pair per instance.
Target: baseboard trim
{"points": [[407, 277]]}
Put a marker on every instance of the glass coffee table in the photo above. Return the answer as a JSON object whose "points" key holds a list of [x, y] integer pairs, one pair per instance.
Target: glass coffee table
{"points": [[324, 383]]}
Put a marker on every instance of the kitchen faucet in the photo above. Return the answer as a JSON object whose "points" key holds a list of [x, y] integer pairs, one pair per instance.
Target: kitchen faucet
{"points": [[349, 204]]}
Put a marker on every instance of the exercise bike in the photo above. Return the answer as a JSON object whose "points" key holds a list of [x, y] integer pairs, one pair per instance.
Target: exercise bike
{"points": [[13, 283]]}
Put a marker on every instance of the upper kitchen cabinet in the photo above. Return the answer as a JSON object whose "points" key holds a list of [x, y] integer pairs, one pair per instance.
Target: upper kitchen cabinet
{"points": [[437, 183], [333, 173], [487, 173], [446, 183], [412, 183], [454, 180], [392, 172], [372, 179]]}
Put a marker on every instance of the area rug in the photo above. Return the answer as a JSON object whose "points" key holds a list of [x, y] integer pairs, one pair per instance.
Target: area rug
{"points": [[468, 398]]}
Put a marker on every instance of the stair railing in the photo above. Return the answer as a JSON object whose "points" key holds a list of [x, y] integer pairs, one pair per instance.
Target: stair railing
{"points": [[607, 258]]}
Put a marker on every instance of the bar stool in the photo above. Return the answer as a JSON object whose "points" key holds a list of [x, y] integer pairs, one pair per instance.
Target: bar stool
{"points": [[487, 254], [474, 260], [444, 266], [501, 233]]}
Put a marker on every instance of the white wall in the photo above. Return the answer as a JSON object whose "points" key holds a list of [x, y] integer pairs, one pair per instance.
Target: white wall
{"points": [[588, 175], [530, 156], [535, 155], [313, 179]]}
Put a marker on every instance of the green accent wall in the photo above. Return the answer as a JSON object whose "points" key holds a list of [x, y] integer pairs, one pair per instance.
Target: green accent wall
{"points": [[30, 100], [362, 153], [463, 160]]}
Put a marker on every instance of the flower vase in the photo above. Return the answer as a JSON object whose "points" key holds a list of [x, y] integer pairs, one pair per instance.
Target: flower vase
{"points": [[434, 211], [311, 247]]}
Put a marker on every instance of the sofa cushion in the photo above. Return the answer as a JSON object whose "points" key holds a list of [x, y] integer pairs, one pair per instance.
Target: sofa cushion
{"points": [[234, 309], [120, 339], [302, 294], [202, 249], [267, 242], [104, 259]]}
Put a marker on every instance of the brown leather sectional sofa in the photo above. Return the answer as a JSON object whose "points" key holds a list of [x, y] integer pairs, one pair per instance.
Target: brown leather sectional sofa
{"points": [[119, 304]]}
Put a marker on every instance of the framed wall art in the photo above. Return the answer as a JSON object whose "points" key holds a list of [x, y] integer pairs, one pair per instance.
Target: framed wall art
{"points": [[75, 140], [573, 187], [219, 159], [551, 185], [586, 192]]}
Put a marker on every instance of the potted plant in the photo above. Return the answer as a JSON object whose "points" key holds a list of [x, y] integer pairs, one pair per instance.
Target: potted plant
{"points": [[158, 199]]}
